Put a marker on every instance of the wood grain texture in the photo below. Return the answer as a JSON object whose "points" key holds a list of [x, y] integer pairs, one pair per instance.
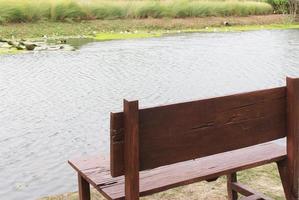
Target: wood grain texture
{"points": [[293, 135], [184, 131], [252, 197], [131, 128], [117, 139], [97, 171], [282, 166], [246, 191], [231, 178], [84, 189]]}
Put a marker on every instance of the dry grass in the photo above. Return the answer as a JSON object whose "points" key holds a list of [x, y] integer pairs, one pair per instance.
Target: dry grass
{"points": [[265, 179], [58, 29], [66, 10]]}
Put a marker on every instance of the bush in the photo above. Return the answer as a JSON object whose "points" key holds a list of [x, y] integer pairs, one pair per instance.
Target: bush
{"points": [[279, 6], [60, 10]]}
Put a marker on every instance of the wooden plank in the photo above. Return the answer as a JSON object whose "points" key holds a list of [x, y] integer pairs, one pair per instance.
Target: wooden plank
{"points": [[293, 135], [238, 187], [252, 197], [97, 172], [131, 128], [179, 132], [246, 191], [116, 144], [84, 189]]}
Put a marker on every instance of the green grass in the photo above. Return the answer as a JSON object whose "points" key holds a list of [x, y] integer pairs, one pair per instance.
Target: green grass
{"points": [[103, 30], [144, 27], [158, 33], [66, 10], [248, 28], [126, 35], [110, 32], [9, 51]]}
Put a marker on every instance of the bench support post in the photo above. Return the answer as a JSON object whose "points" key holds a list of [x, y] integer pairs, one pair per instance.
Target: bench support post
{"points": [[84, 189], [293, 137], [283, 172], [231, 178], [131, 134]]}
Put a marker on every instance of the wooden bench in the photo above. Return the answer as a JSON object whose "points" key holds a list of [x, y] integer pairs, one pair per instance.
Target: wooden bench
{"points": [[155, 149]]}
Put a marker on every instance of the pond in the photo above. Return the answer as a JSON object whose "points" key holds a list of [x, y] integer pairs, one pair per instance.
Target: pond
{"points": [[55, 105]]}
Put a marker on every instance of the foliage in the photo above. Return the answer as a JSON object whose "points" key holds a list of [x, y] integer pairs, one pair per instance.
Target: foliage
{"points": [[53, 29], [279, 6], [68, 10]]}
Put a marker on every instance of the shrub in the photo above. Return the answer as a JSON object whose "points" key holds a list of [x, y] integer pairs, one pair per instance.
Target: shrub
{"points": [[60, 10], [279, 6]]}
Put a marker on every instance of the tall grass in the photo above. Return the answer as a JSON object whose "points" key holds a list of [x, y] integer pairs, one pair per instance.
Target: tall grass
{"points": [[59, 10]]}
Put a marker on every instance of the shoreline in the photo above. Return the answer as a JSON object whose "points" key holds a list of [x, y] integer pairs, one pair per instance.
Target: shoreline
{"points": [[105, 30], [51, 29]]}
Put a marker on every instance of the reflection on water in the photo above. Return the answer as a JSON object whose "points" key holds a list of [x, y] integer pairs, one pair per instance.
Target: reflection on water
{"points": [[55, 105]]}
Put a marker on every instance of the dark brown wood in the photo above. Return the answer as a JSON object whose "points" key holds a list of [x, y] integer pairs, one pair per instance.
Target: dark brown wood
{"points": [[97, 171], [283, 172], [84, 189], [184, 131], [131, 149], [212, 180], [246, 191], [116, 144], [152, 149], [240, 188], [293, 134], [231, 178], [252, 197]]}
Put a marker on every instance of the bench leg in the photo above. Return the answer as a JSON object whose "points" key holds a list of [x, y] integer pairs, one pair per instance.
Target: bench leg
{"points": [[84, 189], [232, 195], [283, 172]]}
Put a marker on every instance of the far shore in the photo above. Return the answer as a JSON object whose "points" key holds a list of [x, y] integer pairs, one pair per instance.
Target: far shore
{"points": [[50, 29], [103, 30]]}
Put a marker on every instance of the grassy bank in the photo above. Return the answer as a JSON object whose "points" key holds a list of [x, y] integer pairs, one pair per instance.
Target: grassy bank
{"points": [[264, 179], [144, 27], [66, 10], [102, 30]]}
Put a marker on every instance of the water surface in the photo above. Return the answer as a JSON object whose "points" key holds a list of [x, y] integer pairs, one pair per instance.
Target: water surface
{"points": [[55, 105]]}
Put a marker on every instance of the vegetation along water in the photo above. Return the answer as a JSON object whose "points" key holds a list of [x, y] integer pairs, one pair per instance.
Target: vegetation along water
{"points": [[59, 10]]}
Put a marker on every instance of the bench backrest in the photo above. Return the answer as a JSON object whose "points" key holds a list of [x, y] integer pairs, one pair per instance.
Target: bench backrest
{"points": [[168, 134]]}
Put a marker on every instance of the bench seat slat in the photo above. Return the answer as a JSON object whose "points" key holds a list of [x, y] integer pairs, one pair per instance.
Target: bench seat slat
{"points": [[96, 170]]}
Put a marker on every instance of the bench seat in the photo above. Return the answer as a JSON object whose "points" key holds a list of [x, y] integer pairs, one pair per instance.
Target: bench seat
{"points": [[96, 170]]}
